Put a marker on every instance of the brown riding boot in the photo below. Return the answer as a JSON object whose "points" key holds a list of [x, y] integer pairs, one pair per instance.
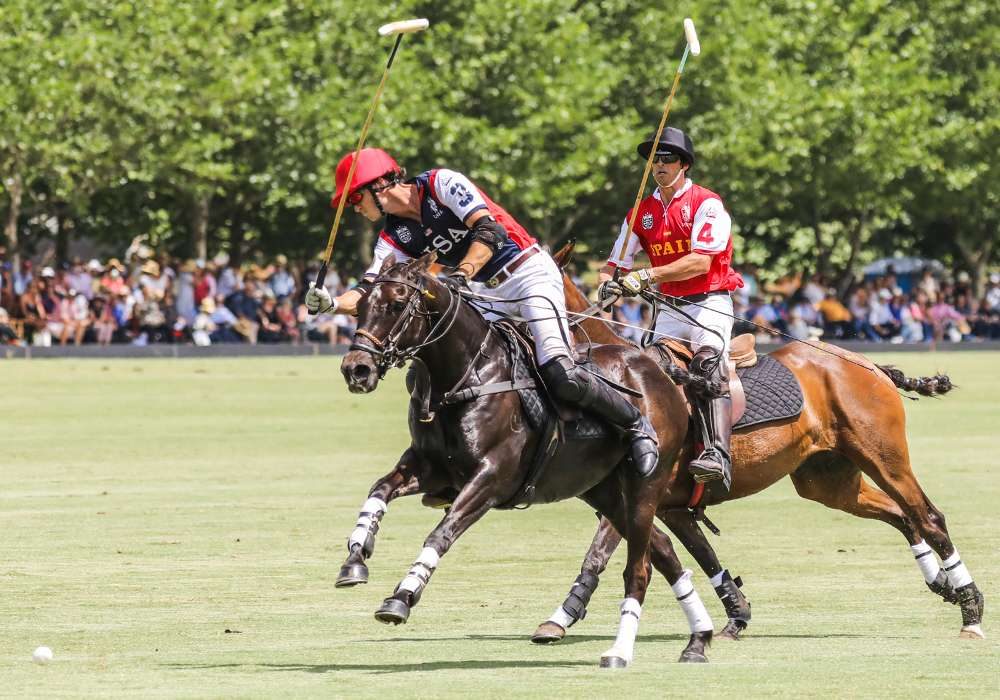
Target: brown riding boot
{"points": [[714, 463], [715, 416]]}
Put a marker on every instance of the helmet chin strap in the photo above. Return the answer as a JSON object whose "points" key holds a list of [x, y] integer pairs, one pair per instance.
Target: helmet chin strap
{"points": [[378, 204], [679, 173]]}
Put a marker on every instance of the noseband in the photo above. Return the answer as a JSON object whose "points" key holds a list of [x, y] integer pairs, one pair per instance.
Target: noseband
{"points": [[388, 353]]}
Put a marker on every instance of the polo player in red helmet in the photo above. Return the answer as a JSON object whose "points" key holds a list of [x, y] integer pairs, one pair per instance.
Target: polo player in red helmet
{"points": [[478, 241]]}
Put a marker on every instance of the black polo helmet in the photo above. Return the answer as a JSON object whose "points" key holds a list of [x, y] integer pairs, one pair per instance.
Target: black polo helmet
{"points": [[671, 141]]}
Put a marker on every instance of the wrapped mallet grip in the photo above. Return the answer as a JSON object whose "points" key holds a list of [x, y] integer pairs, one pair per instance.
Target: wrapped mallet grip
{"points": [[692, 36]]}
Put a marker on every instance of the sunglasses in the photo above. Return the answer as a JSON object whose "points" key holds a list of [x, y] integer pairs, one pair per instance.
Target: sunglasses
{"points": [[354, 198], [666, 158]]}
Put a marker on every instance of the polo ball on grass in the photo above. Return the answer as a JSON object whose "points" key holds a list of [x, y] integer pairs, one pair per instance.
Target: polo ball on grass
{"points": [[42, 655]]}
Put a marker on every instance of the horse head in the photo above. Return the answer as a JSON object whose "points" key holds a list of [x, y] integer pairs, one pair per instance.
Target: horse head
{"points": [[395, 320]]}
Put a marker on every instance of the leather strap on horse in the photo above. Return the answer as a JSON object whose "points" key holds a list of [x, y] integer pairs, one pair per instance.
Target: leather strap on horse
{"points": [[544, 451], [474, 392]]}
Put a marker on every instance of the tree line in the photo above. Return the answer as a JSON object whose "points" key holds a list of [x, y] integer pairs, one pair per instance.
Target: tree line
{"points": [[835, 132]]}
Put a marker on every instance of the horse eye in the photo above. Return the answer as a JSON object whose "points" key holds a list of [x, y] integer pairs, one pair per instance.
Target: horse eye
{"points": [[397, 305]]}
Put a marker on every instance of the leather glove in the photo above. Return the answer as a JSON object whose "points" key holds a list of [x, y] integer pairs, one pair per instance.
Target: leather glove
{"points": [[609, 289], [318, 300], [634, 282], [457, 280]]}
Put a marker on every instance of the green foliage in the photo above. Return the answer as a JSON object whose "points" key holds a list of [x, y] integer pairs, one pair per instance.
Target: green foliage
{"points": [[835, 132]]}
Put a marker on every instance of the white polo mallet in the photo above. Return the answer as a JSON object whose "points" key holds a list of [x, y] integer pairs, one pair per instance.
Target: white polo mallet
{"points": [[397, 29], [692, 47]]}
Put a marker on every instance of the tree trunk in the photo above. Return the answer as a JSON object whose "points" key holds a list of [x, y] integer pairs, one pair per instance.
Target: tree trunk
{"points": [[64, 225], [856, 238], [978, 260], [199, 226], [15, 187], [236, 237]]}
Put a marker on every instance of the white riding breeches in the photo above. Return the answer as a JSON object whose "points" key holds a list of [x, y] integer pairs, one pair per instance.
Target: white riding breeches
{"points": [[538, 284], [715, 316]]}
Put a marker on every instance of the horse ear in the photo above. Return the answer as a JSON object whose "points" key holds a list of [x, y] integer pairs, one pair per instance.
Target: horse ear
{"points": [[422, 263], [387, 263], [564, 255]]}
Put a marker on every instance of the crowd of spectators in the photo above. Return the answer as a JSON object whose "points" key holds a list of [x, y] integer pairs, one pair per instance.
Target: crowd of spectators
{"points": [[152, 298], [889, 308]]}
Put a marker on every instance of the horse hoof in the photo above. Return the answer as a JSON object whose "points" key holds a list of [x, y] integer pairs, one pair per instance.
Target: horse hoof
{"points": [[548, 633], [732, 630], [694, 652], [352, 575], [972, 632], [393, 611], [690, 656], [613, 662]]}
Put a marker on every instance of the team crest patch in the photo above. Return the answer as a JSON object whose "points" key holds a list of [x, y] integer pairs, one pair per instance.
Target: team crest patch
{"points": [[686, 213], [403, 234], [647, 221]]}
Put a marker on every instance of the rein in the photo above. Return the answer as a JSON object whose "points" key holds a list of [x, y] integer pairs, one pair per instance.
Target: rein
{"points": [[658, 298], [387, 352]]}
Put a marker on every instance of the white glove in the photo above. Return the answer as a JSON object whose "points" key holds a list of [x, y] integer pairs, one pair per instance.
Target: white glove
{"points": [[635, 282], [318, 299]]}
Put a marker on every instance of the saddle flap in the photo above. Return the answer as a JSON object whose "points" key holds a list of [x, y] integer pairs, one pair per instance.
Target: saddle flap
{"points": [[524, 365], [743, 350]]}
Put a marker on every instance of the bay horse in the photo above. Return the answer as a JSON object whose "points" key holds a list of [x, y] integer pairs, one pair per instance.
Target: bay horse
{"points": [[852, 426], [484, 448]]}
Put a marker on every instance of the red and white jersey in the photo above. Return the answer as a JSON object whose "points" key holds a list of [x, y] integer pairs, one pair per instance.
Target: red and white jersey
{"points": [[695, 220]]}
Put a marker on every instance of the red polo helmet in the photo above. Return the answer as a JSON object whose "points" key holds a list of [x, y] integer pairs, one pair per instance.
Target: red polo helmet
{"points": [[373, 163]]}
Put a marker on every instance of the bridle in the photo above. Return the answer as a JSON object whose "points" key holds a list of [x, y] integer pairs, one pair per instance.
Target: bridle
{"points": [[387, 352]]}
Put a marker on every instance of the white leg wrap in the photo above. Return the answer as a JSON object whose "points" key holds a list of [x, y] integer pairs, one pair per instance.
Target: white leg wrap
{"points": [[562, 618], [371, 512], [926, 560], [694, 609], [716, 580], [420, 573], [958, 575], [628, 627]]}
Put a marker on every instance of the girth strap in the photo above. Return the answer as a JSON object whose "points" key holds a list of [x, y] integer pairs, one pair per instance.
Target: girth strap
{"points": [[474, 392]]}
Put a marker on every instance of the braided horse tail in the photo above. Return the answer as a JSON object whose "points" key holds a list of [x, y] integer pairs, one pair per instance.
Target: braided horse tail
{"points": [[925, 386]]}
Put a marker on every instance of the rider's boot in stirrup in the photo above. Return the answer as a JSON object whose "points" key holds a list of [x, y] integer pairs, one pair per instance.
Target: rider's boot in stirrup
{"points": [[714, 463], [573, 384]]}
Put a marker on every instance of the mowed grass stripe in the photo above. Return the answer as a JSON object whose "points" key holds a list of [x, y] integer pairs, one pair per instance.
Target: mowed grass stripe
{"points": [[148, 506]]}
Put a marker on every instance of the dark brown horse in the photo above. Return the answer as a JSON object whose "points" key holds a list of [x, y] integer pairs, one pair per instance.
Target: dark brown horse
{"points": [[852, 425], [483, 448]]}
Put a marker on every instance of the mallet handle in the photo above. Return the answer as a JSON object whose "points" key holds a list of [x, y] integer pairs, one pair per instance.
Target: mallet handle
{"points": [[321, 277], [649, 162]]}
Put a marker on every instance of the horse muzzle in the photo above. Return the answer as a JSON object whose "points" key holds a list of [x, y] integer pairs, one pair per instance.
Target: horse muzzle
{"points": [[360, 372]]}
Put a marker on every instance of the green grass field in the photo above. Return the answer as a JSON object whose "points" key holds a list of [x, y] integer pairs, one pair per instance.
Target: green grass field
{"points": [[148, 507]]}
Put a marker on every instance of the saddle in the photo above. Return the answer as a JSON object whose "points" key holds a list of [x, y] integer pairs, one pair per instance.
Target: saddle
{"points": [[742, 353], [557, 422]]}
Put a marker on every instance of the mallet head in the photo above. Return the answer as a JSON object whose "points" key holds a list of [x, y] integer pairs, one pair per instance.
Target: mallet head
{"points": [[406, 26], [689, 33]]}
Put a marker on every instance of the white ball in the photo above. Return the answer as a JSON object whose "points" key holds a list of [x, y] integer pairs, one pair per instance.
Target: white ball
{"points": [[42, 655]]}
